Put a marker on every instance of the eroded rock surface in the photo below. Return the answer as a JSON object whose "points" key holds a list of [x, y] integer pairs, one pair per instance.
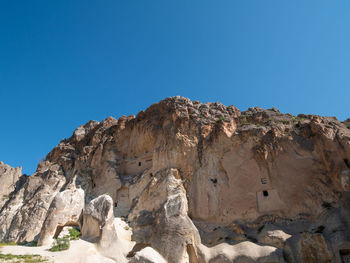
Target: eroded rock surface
{"points": [[189, 177], [65, 210], [99, 226], [148, 255], [8, 178]]}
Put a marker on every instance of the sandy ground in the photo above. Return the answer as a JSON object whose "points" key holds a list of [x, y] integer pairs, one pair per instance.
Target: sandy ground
{"points": [[80, 251]]}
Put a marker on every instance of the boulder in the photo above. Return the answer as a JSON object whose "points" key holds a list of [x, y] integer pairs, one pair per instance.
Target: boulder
{"points": [[166, 225], [98, 218], [99, 226]]}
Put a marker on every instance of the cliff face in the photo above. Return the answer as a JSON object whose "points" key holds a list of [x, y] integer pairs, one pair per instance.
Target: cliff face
{"points": [[8, 178], [237, 172]]}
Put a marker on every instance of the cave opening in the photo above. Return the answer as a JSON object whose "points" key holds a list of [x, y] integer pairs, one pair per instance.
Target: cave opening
{"points": [[214, 181], [265, 193]]}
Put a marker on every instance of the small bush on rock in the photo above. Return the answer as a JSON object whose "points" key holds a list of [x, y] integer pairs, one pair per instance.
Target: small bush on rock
{"points": [[60, 244]]}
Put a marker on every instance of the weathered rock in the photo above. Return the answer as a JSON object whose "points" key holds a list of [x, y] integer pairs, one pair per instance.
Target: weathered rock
{"points": [[23, 215], [170, 231], [314, 248], [97, 215], [99, 226], [235, 169], [8, 178], [65, 210], [306, 248], [276, 238], [147, 255], [240, 253]]}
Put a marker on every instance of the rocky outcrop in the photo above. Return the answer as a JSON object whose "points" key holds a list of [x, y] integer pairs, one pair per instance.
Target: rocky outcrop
{"points": [[276, 238], [308, 247], [160, 218], [210, 176], [240, 253], [24, 214], [65, 210], [99, 226], [8, 178]]}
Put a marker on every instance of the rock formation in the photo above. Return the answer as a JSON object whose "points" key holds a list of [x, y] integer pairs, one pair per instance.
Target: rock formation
{"points": [[198, 183], [65, 210], [8, 178]]}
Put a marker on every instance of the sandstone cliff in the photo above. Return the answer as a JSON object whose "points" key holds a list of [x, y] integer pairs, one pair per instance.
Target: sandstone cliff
{"points": [[198, 183]]}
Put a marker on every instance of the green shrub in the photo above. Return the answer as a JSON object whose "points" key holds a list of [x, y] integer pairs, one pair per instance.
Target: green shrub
{"points": [[22, 258], [60, 244], [11, 243], [5, 197], [74, 234], [220, 119]]}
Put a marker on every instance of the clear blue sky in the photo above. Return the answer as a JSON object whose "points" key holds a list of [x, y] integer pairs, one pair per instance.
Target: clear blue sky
{"points": [[65, 62]]}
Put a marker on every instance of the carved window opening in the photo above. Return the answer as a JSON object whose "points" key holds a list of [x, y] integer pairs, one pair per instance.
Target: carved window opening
{"points": [[116, 204], [139, 163], [265, 193], [214, 181]]}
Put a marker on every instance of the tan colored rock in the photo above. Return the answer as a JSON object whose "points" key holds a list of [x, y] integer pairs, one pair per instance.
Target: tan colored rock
{"points": [[306, 248], [313, 248], [97, 215], [276, 238], [147, 255], [65, 210], [164, 217], [24, 214], [99, 226], [9, 176], [234, 168], [240, 253]]}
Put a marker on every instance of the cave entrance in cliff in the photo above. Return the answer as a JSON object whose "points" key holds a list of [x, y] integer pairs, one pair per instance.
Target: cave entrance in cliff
{"points": [[122, 203], [345, 255], [60, 228]]}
